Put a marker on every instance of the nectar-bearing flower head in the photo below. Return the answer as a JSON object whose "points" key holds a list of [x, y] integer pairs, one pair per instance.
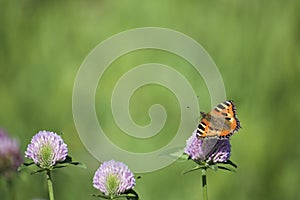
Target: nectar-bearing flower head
{"points": [[46, 148], [113, 178], [10, 155], [210, 150]]}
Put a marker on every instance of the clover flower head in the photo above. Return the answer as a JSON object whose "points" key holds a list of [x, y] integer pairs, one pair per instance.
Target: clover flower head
{"points": [[209, 150], [10, 155], [46, 148], [221, 152], [113, 178]]}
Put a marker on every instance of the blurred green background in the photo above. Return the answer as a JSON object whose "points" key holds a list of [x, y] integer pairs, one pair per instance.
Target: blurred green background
{"points": [[255, 44]]}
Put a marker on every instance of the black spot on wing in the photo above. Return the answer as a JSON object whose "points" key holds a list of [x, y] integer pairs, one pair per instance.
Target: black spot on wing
{"points": [[220, 106], [201, 127], [228, 118], [228, 103], [216, 109]]}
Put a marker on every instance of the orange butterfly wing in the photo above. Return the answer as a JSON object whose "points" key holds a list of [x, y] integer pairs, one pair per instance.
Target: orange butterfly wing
{"points": [[221, 122]]}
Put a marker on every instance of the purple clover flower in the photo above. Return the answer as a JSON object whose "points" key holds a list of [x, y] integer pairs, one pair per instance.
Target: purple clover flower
{"points": [[210, 150], [113, 178], [46, 148], [10, 155]]}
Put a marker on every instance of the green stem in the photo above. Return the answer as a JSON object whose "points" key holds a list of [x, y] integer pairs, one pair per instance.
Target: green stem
{"points": [[204, 184], [50, 185], [11, 192]]}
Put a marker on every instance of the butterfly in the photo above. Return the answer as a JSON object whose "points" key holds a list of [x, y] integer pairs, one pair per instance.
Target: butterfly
{"points": [[221, 122]]}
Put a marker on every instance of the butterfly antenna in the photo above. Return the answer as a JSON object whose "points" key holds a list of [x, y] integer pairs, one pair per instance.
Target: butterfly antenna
{"points": [[203, 114]]}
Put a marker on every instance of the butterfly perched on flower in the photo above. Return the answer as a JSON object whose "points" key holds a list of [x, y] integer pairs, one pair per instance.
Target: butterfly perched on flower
{"points": [[221, 122]]}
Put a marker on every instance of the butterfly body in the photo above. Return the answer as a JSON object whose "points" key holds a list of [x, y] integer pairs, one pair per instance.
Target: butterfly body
{"points": [[220, 122]]}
